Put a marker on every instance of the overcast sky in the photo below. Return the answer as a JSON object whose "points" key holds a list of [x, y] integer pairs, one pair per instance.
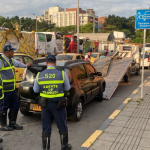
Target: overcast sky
{"points": [[26, 8]]}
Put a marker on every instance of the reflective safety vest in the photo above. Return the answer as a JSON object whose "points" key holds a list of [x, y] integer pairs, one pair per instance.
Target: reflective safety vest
{"points": [[8, 74], [1, 88], [51, 83]]}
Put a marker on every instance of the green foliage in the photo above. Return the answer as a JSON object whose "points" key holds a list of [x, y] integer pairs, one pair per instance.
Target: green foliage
{"points": [[28, 24], [70, 30], [87, 28], [127, 32], [116, 23]]}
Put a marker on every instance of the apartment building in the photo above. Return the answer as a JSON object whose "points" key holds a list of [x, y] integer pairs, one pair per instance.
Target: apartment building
{"points": [[62, 17], [102, 21]]}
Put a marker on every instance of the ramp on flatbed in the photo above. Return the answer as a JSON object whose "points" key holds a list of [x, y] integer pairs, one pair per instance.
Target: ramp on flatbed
{"points": [[115, 73], [102, 65]]}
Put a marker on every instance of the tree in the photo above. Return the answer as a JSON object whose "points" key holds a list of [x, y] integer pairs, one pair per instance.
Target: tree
{"points": [[127, 32], [87, 28], [28, 24]]}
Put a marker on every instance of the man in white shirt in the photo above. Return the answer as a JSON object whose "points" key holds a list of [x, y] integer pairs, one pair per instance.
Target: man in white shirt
{"points": [[88, 56]]}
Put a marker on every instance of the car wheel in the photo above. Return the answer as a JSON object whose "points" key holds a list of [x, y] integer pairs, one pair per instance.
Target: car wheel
{"points": [[127, 77], [100, 95], [137, 72], [26, 113], [78, 111]]}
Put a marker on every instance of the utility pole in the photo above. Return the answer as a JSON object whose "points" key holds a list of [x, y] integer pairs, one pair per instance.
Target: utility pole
{"points": [[94, 24], [36, 23], [20, 24], [78, 26]]}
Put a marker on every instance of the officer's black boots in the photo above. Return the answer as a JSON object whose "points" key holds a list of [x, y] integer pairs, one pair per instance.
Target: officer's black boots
{"points": [[3, 123], [1, 148], [12, 120], [46, 141], [64, 141], [1, 140]]}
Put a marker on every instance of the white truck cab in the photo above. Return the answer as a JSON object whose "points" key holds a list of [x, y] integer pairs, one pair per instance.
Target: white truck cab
{"points": [[132, 51]]}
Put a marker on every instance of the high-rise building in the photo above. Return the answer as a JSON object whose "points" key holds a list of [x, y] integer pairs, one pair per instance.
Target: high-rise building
{"points": [[62, 17]]}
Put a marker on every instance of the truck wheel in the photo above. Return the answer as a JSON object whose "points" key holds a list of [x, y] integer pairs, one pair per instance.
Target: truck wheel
{"points": [[137, 72], [26, 113], [78, 111], [100, 95], [127, 78]]}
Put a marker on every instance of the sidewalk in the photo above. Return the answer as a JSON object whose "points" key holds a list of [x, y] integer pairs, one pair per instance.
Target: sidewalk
{"points": [[128, 128]]}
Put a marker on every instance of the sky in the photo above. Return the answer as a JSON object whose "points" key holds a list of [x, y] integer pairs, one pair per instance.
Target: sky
{"points": [[26, 8]]}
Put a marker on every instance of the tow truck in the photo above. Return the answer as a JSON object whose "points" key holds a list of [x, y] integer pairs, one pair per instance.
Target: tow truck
{"points": [[118, 67]]}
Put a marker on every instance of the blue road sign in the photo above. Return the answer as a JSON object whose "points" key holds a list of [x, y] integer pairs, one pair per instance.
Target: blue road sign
{"points": [[142, 19]]}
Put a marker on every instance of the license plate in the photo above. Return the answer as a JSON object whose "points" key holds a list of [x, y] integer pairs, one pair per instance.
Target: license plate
{"points": [[36, 107]]}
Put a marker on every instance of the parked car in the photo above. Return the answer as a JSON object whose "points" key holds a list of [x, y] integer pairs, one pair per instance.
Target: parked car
{"points": [[146, 60], [69, 56], [86, 84], [94, 56], [22, 57]]}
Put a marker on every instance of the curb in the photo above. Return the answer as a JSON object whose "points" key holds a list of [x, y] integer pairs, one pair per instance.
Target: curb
{"points": [[87, 144]]}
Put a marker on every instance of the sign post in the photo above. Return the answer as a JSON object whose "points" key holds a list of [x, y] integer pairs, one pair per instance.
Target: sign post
{"points": [[143, 22]]}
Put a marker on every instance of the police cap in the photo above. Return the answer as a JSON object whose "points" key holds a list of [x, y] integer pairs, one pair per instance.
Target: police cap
{"points": [[51, 58], [8, 48]]}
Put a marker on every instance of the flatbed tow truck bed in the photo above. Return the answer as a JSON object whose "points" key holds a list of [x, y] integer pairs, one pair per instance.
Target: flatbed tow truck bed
{"points": [[113, 70]]}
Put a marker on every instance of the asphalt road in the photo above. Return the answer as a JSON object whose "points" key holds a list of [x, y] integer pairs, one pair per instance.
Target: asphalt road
{"points": [[95, 113]]}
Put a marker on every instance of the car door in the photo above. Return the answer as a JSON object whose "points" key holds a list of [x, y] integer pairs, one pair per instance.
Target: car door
{"points": [[18, 71], [84, 81], [94, 79]]}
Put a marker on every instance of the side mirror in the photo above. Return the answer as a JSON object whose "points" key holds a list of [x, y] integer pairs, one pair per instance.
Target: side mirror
{"points": [[99, 74]]}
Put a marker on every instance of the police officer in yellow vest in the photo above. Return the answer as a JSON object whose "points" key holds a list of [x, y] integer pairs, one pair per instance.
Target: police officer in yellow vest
{"points": [[51, 84], [11, 99], [1, 99]]}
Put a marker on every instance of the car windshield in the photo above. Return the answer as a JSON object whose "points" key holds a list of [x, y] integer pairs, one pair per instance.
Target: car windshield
{"points": [[64, 57], [94, 55], [32, 72]]}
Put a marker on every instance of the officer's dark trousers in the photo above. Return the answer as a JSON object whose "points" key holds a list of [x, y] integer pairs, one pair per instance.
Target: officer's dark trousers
{"points": [[51, 112], [10, 101]]}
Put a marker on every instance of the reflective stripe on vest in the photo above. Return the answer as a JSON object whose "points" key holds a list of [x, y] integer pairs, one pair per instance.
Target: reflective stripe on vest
{"points": [[8, 75], [1, 89], [50, 84]]}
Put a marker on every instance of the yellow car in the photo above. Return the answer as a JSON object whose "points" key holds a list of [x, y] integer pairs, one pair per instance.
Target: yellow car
{"points": [[22, 57], [69, 56], [94, 56]]}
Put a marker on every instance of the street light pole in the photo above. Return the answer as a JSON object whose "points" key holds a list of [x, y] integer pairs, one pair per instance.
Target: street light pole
{"points": [[94, 24], [36, 23], [78, 26], [20, 23]]}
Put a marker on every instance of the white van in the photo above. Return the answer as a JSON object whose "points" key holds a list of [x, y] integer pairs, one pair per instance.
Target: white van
{"points": [[146, 60], [147, 47], [48, 43]]}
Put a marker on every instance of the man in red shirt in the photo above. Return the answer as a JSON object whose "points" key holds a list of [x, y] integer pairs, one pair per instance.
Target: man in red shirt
{"points": [[88, 56]]}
